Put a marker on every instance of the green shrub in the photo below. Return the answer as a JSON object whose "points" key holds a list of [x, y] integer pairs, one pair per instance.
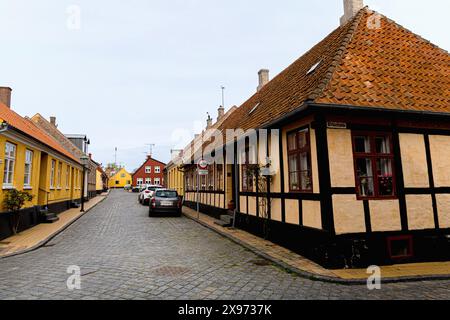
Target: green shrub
{"points": [[13, 201]]}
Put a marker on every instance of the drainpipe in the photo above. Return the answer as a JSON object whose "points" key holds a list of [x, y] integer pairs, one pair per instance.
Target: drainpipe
{"points": [[236, 183]]}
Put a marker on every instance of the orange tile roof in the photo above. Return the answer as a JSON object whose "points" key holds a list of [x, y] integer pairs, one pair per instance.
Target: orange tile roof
{"points": [[28, 127], [387, 67]]}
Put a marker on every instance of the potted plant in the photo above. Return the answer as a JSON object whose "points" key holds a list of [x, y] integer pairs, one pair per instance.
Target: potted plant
{"points": [[13, 202]]}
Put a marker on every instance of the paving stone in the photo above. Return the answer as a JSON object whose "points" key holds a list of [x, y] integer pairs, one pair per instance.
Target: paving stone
{"points": [[120, 250]]}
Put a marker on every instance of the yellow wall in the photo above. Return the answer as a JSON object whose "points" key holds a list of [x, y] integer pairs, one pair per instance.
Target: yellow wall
{"points": [[40, 175], [440, 155], [414, 160], [340, 152], [98, 181], [60, 191], [120, 179], [348, 214], [176, 179]]}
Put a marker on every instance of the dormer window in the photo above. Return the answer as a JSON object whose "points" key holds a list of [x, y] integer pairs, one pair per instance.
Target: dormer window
{"points": [[313, 68]]}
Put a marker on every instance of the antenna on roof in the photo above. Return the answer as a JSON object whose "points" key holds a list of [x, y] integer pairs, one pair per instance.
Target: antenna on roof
{"points": [[151, 145]]}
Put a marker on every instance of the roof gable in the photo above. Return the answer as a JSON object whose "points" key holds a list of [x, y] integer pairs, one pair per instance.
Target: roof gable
{"points": [[29, 128], [53, 131]]}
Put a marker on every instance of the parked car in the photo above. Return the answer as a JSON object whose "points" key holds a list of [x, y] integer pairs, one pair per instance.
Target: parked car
{"points": [[136, 189], [127, 187], [165, 201], [146, 193]]}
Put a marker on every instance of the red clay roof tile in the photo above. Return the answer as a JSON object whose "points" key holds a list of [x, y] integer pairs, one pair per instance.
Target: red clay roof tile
{"points": [[28, 127]]}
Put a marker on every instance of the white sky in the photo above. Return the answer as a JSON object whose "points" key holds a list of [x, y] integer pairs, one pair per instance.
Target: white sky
{"points": [[137, 71]]}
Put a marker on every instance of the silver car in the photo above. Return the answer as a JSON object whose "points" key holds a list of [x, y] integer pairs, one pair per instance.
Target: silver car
{"points": [[165, 202]]}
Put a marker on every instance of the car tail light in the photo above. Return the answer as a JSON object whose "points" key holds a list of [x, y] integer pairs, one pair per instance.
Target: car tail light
{"points": [[147, 192], [153, 203]]}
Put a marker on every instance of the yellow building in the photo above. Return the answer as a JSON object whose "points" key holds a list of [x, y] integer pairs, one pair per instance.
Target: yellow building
{"points": [[99, 181], [120, 179], [175, 178], [32, 161]]}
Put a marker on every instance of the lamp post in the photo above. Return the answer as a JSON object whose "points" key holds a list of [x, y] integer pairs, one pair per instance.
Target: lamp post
{"points": [[84, 162]]}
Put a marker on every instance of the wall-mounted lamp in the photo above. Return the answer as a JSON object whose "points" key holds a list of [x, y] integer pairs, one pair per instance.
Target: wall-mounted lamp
{"points": [[4, 126]]}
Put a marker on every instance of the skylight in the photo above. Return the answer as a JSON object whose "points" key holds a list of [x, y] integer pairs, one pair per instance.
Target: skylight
{"points": [[314, 67], [254, 108]]}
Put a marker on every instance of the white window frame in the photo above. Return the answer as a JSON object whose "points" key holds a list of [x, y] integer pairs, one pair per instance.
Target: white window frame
{"points": [[157, 181], [10, 158], [157, 169], [148, 180], [148, 169], [52, 174], [28, 168], [59, 175], [140, 181], [67, 177]]}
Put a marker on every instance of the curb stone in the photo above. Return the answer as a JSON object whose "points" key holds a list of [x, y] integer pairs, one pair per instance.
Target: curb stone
{"points": [[53, 235], [313, 276]]}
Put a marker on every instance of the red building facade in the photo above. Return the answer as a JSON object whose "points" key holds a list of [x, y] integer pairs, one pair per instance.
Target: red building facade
{"points": [[151, 172]]}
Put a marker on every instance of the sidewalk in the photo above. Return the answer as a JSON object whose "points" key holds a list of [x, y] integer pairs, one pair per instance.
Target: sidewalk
{"points": [[304, 267], [39, 235]]}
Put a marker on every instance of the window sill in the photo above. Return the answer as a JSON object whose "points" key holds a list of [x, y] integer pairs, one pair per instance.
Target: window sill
{"points": [[376, 198], [27, 188], [8, 187]]}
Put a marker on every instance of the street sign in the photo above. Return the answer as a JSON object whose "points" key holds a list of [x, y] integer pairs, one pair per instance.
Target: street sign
{"points": [[202, 167]]}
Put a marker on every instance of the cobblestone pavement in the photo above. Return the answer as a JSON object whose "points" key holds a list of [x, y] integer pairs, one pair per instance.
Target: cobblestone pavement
{"points": [[124, 254]]}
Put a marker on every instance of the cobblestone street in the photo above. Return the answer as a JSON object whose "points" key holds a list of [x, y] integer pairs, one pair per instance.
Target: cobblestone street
{"points": [[124, 254]]}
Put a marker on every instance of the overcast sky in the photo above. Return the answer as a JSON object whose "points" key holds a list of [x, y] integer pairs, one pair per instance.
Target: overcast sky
{"points": [[138, 71]]}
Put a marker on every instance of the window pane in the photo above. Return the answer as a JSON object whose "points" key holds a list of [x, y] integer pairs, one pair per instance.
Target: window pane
{"points": [[291, 142], [365, 177], [305, 168], [293, 172], [362, 144], [294, 183], [383, 145], [303, 139], [385, 180], [293, 163]]}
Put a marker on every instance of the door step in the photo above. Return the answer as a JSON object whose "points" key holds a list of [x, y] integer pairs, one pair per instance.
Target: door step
{"points": [[74, 205], [48, 217], [225, 221]]}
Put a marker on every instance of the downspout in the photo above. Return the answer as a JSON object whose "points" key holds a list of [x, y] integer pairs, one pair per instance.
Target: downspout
{"points": [[236, 183]]}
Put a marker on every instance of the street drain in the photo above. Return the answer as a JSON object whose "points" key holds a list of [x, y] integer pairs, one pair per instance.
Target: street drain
{"points": [[261, 262], [169, 271]]}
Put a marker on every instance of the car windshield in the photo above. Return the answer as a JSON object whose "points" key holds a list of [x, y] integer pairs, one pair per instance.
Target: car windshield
{"points": [[166, 194], [152, 188]]}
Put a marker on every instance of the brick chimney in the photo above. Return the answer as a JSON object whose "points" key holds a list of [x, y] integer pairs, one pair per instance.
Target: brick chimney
{"points": [[53, 121], [220, 113], [263, 76], [5, 96], [351, 8]]}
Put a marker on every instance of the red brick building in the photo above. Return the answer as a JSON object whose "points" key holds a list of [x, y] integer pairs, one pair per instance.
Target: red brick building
{"points": [[151, 172]]}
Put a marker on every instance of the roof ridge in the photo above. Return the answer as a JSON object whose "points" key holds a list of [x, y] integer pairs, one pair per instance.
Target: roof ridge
{"points": [[339, 54], [72, 145]]}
